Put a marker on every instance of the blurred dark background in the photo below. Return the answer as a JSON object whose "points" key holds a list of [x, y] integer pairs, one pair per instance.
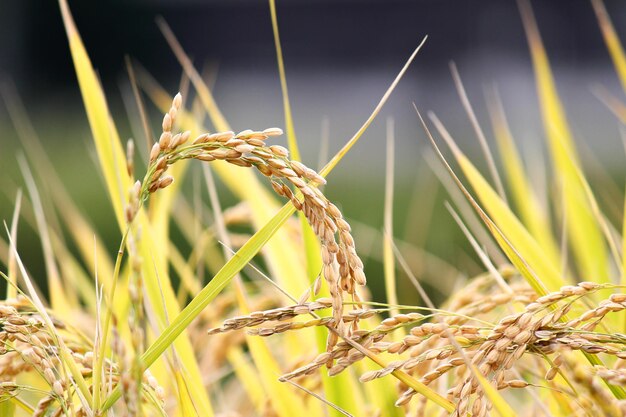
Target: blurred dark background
{"points": [[318, 36], [340, 57]]}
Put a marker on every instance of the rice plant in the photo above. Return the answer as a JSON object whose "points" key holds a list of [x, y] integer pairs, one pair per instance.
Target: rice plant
{"points": [[540, 332]]}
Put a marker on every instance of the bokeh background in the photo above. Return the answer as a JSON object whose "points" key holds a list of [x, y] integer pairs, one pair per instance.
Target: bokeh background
{"points": [[340, 57]]}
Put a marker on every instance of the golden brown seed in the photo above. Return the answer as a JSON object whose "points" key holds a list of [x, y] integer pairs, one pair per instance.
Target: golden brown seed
{"points": [[265, 170], [517, 383], [154, 152], [359, 276], [225, 153], [49, 375], [174, 141], [618, 298], [239, 162], [279, 150], [157, 174], [244, 148], [136, 190], [333, 211], [551, 374], [57, 388], [234, 142], [273, 131], [201, 139], [263, 154], [287, 172], [298, 167], [317, 179], [178, 101], [273, 162], [184, 137], [205, 157], [278, 189], [257, 135], [167, 123], [244, 133], [173, 111], [222, 137], [296, 203], [298, 182], [164, 182], [165, 140], [255, 142]]}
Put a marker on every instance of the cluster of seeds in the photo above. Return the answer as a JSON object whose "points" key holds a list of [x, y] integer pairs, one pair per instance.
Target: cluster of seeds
{"points": [[342, 270], [339, 358], [26, 346], [276, 314], [501, 352]]}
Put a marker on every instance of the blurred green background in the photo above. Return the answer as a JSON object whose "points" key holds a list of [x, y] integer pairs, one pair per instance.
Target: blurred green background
{"points": [[340, 57]]}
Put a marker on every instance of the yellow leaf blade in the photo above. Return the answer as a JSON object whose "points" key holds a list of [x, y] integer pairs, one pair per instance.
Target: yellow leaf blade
{"points": [[534, 216], [612, 40], [110, 154], [511, 235], [585, 237]]}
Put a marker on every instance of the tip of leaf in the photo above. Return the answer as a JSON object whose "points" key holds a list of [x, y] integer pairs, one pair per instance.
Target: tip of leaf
{"points": [[68, 20]]}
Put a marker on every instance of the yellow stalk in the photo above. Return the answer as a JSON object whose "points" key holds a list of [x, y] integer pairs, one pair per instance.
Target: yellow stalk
{"points": [[510, 233], [585, 237], [623, 277], [346, 148], [289, 129], [389, 263], [612, 40], [482, 140], [106, 138], [11, 263], [535, 217], [185, 404], [62, 298], [248, 377]]}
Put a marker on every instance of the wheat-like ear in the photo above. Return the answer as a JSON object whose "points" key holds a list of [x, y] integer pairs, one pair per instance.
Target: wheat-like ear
{"points": [[27, 346], [342, 270]]}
